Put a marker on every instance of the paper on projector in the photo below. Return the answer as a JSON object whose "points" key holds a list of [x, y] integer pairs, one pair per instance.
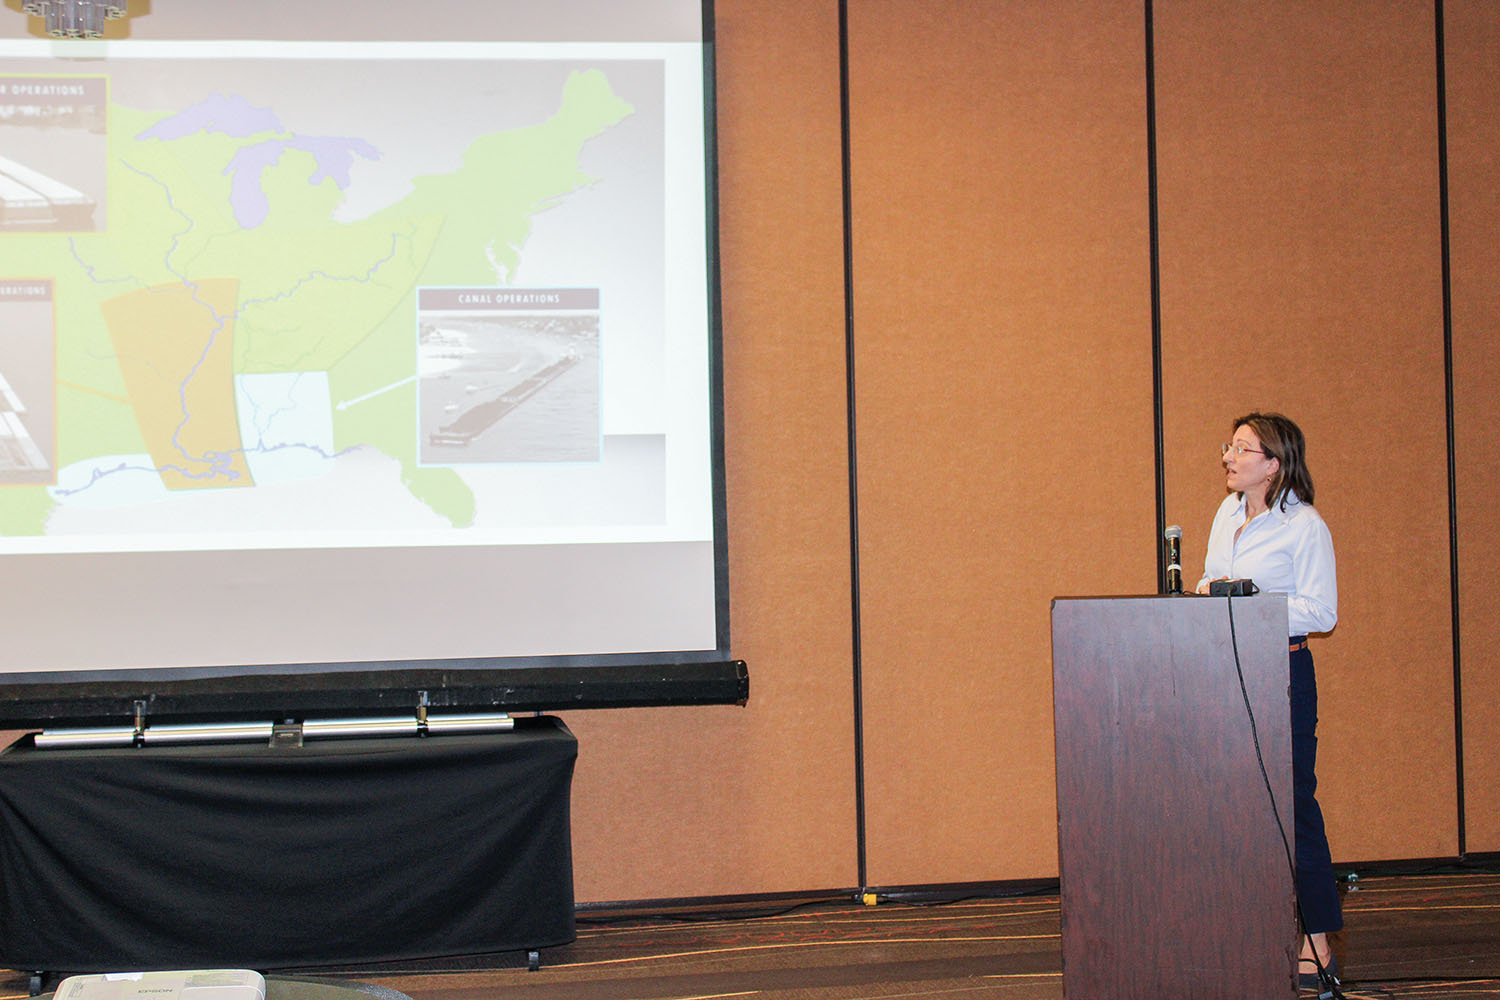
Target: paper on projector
{"points": [[198, 984]]}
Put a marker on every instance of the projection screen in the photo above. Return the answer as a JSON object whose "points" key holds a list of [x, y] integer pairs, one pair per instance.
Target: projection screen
{"points": [[371, 340]]}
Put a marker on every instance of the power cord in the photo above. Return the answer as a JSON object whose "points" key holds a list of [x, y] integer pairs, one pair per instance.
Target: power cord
{"points": [[1330, 986]]}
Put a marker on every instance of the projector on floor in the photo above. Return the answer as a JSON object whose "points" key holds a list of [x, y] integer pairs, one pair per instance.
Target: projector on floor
{"points": [[197, 984]]}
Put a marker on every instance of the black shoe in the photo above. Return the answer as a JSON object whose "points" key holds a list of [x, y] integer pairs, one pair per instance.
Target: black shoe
{"points": [[1310, 980]]}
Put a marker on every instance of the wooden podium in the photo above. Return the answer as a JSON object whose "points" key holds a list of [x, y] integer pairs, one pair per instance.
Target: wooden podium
{"points": [[1175, 878]]}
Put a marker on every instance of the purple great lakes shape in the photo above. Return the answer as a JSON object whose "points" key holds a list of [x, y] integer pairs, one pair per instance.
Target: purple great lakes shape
{"points": [[236, 117], [233, 116]]}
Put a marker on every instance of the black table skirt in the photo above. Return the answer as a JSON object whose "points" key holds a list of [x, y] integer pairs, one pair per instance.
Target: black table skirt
{"points": [[240, 856]]}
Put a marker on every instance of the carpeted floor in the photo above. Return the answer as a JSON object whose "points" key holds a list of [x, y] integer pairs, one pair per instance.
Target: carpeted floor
{"points": [[1434, 935]]}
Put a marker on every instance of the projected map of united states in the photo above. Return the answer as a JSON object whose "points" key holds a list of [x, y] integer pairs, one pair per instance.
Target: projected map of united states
{"points": [[227, 312]]}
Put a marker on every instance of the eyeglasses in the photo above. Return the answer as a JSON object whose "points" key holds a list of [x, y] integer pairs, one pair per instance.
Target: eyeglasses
{"points": [[1238, 449]]}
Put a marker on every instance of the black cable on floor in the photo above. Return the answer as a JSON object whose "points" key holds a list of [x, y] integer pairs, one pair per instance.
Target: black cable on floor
{"points": [[1330, 988]]}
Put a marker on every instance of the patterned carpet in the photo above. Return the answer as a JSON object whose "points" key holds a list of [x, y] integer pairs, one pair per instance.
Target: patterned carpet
{"points": [[1433, 935]]}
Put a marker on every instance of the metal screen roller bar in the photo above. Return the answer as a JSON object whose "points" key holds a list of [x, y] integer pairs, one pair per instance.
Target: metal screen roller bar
{"points": [[232, 732]]}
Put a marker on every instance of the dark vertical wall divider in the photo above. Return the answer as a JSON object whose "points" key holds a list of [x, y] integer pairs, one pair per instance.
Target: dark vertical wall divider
{"points": [[1440, 57], [1471, 47]]}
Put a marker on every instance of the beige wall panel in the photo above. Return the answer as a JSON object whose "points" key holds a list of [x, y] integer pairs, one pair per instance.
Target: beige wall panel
{"points": [[698, 802], [1472, 37], [1301, 271], [1003, 372]]}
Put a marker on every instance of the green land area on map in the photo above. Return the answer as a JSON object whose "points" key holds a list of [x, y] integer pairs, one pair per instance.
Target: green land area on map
{"points": [[141, 311]]}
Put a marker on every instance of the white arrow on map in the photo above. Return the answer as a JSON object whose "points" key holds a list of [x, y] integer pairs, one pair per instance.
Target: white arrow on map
{"points": [[373, 393]]}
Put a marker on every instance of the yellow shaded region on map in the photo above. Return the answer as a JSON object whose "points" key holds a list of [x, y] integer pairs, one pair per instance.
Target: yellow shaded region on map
{"points": [[175, 348]]}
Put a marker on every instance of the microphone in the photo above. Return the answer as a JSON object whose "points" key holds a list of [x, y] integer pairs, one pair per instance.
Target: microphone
{"points": [[1173, 535]]}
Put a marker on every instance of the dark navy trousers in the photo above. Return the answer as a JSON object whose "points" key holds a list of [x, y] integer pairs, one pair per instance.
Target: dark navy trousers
{"points": [[1317, 892]]}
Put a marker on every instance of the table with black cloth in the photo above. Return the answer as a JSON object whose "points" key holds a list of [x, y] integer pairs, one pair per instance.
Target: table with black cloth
{"points": [[343, 851]]}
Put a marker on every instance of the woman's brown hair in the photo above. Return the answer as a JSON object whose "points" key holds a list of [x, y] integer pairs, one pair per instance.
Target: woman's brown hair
{"points": [[1282, 440]]}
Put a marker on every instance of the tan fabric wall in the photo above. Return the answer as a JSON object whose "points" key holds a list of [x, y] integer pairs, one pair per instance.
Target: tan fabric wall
{"points": [[1301, 272], [1003, 367], [1004, 404], [694, 802], [1472, 32]]}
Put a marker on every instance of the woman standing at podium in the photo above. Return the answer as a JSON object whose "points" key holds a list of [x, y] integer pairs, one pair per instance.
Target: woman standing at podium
{"points": [[1268, 531]]}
